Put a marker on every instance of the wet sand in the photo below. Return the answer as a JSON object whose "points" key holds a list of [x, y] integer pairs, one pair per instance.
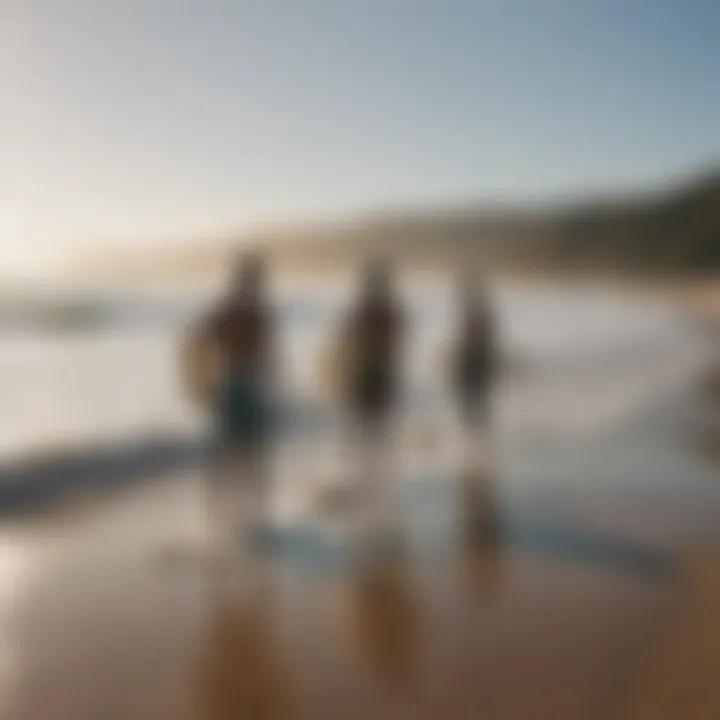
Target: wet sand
{"points": [[580, 582]]}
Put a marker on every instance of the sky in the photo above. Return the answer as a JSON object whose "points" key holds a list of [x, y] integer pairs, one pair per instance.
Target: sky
{"points": [[152, 122]]}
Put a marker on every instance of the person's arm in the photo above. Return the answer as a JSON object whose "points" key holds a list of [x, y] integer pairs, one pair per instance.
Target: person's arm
{"points": [[272, 360], [490, 340]]}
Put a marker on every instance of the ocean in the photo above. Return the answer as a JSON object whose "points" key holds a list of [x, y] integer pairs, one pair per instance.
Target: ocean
{"points": [[580, 359]]}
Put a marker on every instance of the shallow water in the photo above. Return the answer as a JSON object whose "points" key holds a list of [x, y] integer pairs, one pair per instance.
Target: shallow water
{"points": [[600, 512], [585, 358]]}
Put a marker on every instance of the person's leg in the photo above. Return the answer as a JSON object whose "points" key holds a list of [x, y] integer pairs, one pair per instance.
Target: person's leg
{"points": [[254, 499], [249, 425], [468, 413], [481, 428], [220, 481], [380, 471]]}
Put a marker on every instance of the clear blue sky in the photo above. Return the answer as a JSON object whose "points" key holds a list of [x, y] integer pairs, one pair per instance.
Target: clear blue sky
{"points": [[150, 120]]}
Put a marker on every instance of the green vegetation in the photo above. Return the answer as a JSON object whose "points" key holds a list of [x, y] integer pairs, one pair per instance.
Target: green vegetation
{"points": [[676, 231], [669, 233]]}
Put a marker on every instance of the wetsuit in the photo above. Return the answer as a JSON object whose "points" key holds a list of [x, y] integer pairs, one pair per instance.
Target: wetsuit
{"points": [[474, 365], [241, 402], [375, 329]]}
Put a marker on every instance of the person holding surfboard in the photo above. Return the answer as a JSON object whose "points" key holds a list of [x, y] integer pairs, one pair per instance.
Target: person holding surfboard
{"points": [[230, 369], [473, 361], [374, 332]]}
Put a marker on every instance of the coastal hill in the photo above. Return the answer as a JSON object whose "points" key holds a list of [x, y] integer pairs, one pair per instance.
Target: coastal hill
{"points": [[675, 230]]}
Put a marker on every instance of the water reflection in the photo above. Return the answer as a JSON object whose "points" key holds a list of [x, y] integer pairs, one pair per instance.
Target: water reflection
{"points": [[383, 620], [481, 529], [241, 666], [236, 500], [15, 570]]}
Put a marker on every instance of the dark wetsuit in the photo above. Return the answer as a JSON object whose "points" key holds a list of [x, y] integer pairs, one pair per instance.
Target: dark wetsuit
{"points": [[376, 328], [474, 364], [242, 405]]}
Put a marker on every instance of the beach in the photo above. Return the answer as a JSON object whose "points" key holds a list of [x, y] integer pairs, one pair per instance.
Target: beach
{"points": [[571, 574]]}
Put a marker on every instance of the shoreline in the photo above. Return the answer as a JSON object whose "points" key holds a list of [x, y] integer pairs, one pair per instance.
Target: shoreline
{"points": [[27, 479]]}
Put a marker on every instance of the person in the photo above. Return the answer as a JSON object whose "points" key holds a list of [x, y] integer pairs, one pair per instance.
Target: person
{"points": [[374, 333], [238, 333], [474, 356]]}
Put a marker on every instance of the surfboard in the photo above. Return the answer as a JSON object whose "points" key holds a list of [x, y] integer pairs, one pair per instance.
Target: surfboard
{"points": [[201, 366]]}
